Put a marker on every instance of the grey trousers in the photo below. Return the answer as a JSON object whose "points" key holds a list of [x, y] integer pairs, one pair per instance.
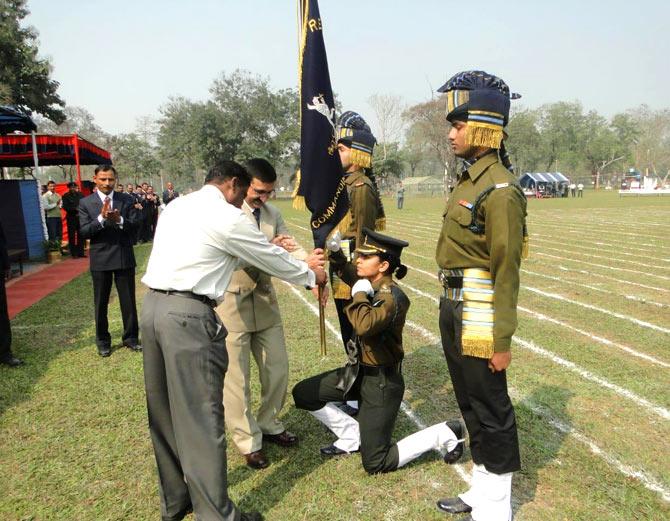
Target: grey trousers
{"points": [[185, 360]]}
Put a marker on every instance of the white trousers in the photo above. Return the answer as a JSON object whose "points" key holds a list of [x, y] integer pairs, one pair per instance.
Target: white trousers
{"points": [[342, 425], [490, 495]]}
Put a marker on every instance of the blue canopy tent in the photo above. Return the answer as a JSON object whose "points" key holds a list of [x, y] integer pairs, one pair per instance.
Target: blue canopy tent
{"points": [[548, 184], [20, 203]]}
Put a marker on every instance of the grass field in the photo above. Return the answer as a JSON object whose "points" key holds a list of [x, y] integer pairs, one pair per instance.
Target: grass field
{"points": [[589, 381]]}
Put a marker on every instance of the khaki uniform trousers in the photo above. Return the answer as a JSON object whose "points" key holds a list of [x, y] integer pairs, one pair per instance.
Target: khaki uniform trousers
{"points": [[269, 350]]}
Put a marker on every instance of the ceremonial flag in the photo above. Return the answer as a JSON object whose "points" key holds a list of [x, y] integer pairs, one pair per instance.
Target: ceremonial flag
{"points": [[320, 183]]}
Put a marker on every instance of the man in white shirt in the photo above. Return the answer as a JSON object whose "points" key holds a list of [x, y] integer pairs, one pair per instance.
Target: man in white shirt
{"points": [[201, 239]]}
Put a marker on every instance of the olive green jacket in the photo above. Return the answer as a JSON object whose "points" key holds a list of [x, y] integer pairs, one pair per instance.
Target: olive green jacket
{"points": [[498, 249]]}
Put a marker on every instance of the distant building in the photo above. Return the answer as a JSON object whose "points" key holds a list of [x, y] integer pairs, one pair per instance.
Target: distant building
{"points": [[427, 185]]}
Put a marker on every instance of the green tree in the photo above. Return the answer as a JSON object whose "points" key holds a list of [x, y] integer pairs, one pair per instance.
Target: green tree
{"points": [[25, 80], [427, 124], [524, 143], [134, 158], [245, 118]]}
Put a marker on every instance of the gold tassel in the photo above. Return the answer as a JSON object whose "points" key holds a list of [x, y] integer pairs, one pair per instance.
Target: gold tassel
{"points": [[525, 248], [380, 224], [477, 347], [483, 136], [360, 158], [298, 200], [299, 203]]}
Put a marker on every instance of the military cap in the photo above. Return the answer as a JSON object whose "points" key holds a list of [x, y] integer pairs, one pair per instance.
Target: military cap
{"points": [[375, 243], [481, 99], [353, 131]]}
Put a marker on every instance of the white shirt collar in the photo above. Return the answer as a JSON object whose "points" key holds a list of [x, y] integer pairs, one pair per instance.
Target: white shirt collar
{"points": [[102, 196]]}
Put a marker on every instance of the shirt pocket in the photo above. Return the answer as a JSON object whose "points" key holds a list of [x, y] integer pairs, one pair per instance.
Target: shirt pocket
{"points": [[458, 219]]}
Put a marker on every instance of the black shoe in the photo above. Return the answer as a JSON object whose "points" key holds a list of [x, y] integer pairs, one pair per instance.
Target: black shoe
{"points": [[104, 351], [11, 361], [453, 505], [133, 346], [332, 450], [455, 454], [348, 409], [256, 460], [251, 516]]}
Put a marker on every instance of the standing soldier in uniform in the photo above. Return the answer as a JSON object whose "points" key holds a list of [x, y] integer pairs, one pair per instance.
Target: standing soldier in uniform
{"points": [[355, 143], [373, 373], [479, 254], [71, 206]]}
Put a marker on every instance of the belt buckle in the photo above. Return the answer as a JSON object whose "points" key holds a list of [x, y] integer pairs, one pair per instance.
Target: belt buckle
{"points": [[443, 278]]}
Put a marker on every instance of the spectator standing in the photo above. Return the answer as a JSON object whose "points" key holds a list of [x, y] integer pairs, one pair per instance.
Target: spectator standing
{"points": [[400, 196], [52, 205], [580, 190], [153, 204], [71, 206], [109, 219], [170, 194], [6, 356], [573, 189]]}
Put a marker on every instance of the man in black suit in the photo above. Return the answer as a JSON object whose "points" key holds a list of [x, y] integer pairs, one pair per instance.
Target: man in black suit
{"points": [[71, 206], [109, 220], [170, 194], [6, 356]]}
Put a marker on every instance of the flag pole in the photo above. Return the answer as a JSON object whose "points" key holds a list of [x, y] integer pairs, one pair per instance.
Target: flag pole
{"points": [[322, 322]]}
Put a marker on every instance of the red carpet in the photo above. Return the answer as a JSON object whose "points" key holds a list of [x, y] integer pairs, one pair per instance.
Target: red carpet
{"points": [[31, 288]]}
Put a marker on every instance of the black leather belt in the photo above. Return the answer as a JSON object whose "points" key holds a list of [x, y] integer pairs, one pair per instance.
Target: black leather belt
{"points": [[187, 294], [376, 370]]}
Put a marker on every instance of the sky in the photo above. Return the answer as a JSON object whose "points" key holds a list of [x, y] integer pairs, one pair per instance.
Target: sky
{"points": [[122, 60]]}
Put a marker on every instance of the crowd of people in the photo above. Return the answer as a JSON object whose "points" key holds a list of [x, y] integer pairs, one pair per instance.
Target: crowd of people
{"points": [[210, 307]]}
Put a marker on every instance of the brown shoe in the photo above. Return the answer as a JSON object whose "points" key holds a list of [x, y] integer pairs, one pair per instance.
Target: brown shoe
{"points": [[256, 460], [285, 439]]}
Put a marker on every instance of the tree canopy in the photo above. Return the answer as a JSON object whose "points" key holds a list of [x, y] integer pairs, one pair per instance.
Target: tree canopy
{"points": [[25, 81]]}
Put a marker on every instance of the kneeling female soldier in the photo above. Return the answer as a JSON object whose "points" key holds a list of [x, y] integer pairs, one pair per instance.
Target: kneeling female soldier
{"points": [[373, 372]]}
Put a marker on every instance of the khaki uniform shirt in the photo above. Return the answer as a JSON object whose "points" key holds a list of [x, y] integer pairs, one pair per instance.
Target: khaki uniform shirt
{"points": [[362, 214], [379, 322], [362, 206], [498, 250], [250, 302]]}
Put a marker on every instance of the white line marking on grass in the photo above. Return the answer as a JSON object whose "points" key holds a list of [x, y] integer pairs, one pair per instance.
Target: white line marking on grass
{"points": [[593, 255], [458, 467], [618, 248], [626, 470], [621, 281], [637, 272], [587, 375], [541, 316], [588, 230], [597, 338], [595, 288], [557, 242], [637, 321], [649, 482]]}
